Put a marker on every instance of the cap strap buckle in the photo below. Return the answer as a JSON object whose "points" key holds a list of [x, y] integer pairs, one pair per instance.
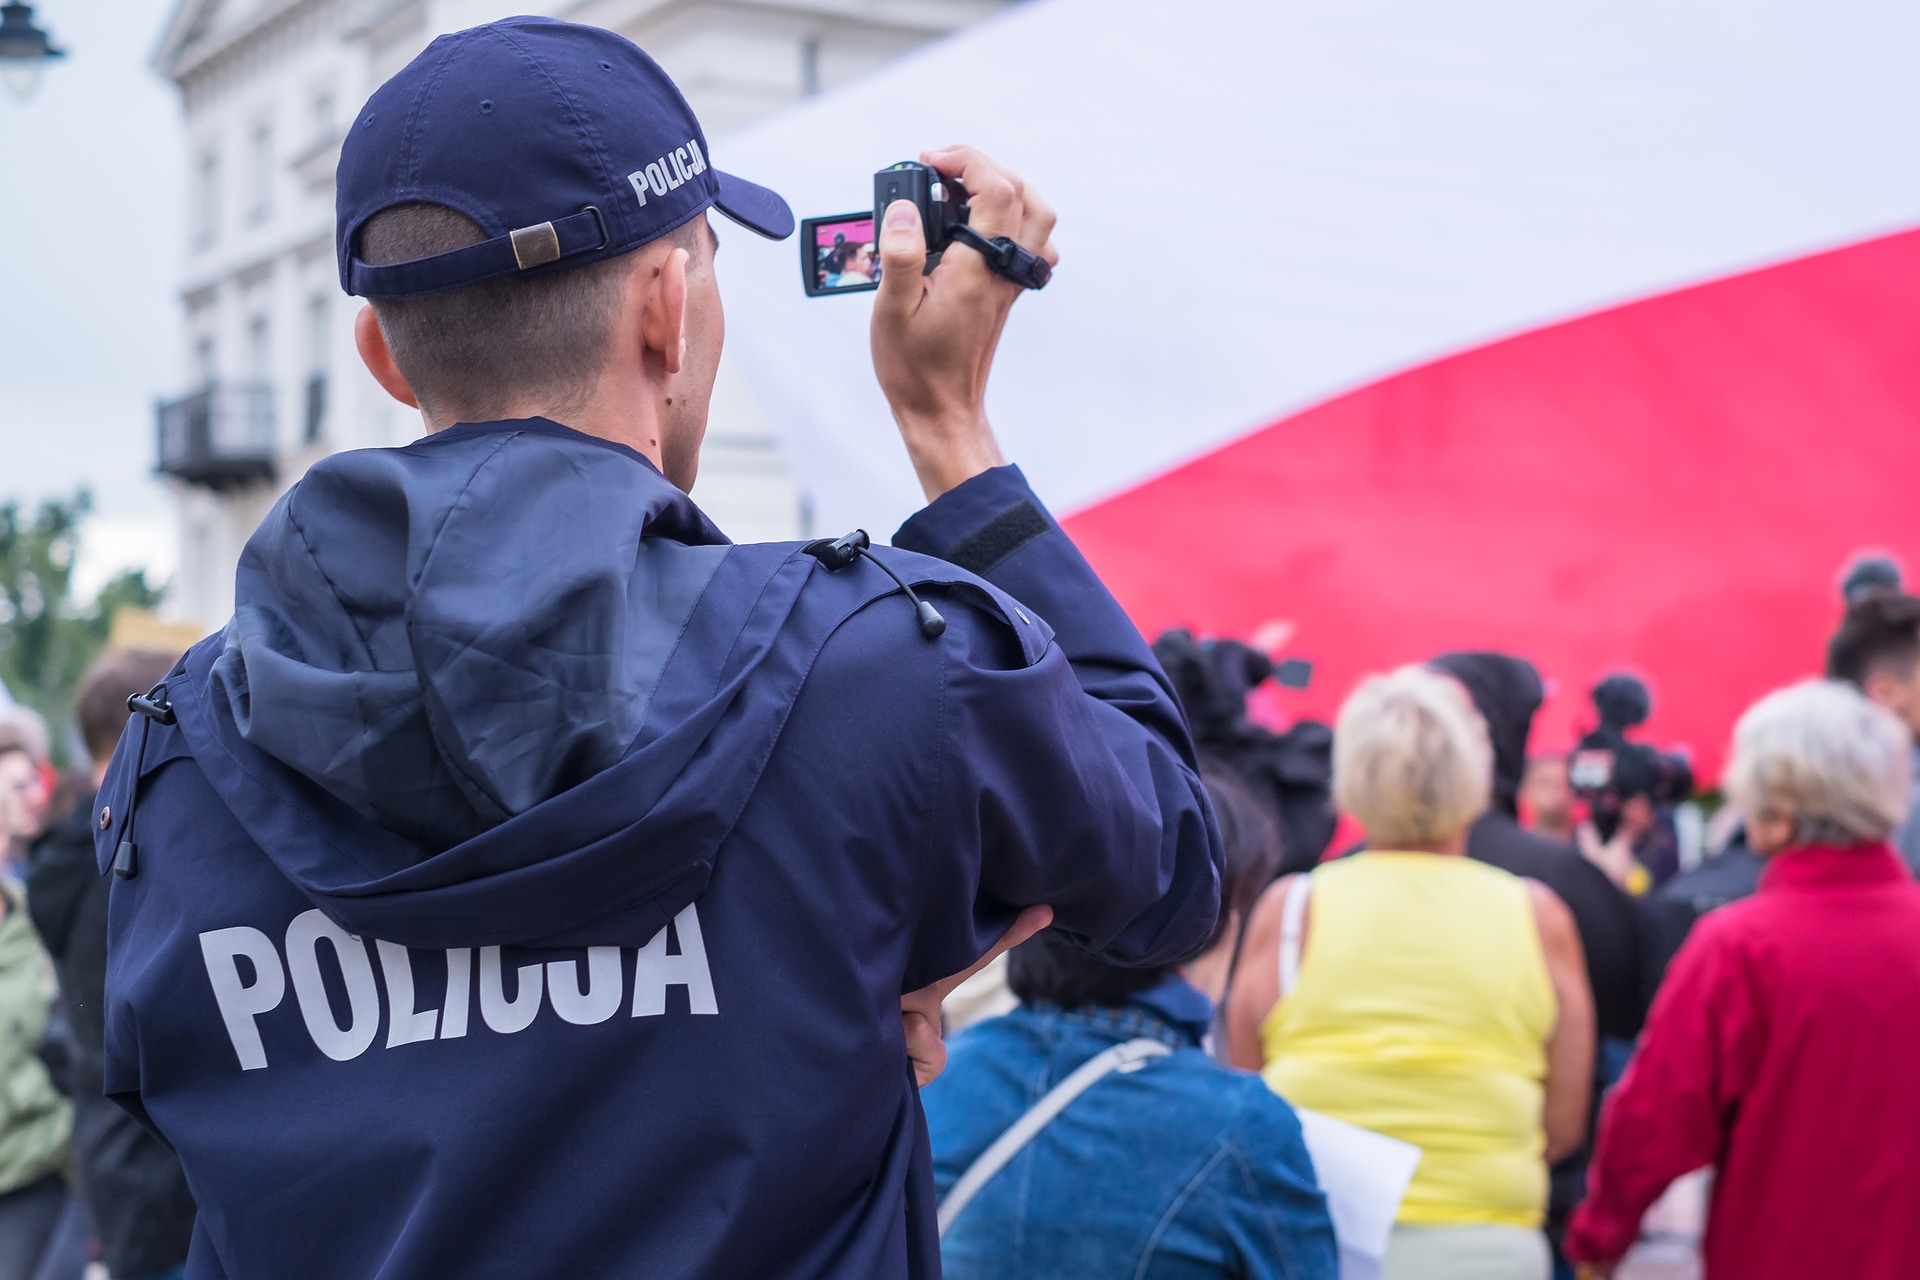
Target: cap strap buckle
{"points": [[535, 246], [521, 249]]}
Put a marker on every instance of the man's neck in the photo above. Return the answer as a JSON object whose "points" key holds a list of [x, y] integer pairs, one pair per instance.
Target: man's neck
{"points": [[621, 419]]}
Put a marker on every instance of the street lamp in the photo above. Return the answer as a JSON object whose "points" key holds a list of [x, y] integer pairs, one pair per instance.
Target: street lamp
{"points": [[24, 50]]}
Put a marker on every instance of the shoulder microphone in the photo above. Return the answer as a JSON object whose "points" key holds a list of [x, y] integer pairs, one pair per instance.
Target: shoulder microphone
{"points": [[838, 553]]}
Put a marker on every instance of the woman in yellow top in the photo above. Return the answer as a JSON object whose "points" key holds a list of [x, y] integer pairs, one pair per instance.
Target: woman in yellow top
{"points": [[1417, 993]]}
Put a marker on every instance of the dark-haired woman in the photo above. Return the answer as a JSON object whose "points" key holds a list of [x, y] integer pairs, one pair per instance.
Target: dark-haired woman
{"points": [[1170, 1165]]}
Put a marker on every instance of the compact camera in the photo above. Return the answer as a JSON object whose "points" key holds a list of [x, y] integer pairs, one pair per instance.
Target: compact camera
{"points": [[840, 253]]}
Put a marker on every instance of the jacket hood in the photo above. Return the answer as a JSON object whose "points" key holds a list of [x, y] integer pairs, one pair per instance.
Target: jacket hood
{"points": [[1507, 691], [470, 684]]}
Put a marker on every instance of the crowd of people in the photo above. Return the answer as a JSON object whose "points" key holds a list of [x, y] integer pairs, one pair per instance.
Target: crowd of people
{"points": [[1473, 978], [1562, 1028], [1458, 980]]}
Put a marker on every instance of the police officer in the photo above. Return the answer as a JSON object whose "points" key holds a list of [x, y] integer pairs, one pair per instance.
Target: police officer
{"points": [[526, 881]]}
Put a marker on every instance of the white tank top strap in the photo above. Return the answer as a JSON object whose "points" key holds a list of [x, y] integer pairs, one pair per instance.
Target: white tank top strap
{"points": [[1293, 928]]}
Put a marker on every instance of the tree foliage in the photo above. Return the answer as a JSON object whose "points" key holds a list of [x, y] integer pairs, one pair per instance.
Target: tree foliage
{"points": [[46, 637]]}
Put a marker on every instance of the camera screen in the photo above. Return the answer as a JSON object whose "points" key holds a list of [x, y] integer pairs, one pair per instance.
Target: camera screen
{"points": [[838, 254]]}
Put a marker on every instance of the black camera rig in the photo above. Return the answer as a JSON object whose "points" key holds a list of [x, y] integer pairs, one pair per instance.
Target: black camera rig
{"points": [[1607, 770], [945, 214]]}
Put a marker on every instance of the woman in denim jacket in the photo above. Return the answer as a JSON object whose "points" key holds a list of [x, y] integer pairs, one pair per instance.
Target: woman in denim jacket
{"points": [[1182, 1169]]}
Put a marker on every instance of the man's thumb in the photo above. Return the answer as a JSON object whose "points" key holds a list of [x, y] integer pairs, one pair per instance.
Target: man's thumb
{"points": [[903, 256]]}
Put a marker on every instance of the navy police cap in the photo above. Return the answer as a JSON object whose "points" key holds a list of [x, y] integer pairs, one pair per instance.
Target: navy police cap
{"points": [[566, 143]]}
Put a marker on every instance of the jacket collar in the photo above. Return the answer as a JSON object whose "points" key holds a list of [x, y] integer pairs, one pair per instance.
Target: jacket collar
{"points": [[1175, 1012], [1181, 1004], [1822, 866], [531, 426], [678, 516]]}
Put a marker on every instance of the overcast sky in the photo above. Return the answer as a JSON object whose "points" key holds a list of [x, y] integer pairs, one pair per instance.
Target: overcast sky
{"points": [[90, 177]]}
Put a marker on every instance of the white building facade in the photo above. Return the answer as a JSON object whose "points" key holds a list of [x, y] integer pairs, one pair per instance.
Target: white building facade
{"points": [[269, 380]]}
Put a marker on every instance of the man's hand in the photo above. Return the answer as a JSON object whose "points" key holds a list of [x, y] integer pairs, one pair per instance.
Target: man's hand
{"points": [[920, 1011], [934, 335], [1594, 1270]]}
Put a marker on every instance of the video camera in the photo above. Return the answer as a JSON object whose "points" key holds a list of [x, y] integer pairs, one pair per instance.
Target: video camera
{"points": [[1606, 770], [840, 253]]}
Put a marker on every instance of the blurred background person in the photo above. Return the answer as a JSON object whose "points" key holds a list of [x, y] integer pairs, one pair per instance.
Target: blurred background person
{"points": [[849, 262], [1507, 691], [1546, 797], [35, 1121], [1868, 574], [1781, 1048], [1180, 1168], [23, 797], [1250, 833], [856, 265], [142, 1211], [1728, 873], [1291, 771], [1630, 790], [1871, 645], [1877, 650], [1423, 994]]}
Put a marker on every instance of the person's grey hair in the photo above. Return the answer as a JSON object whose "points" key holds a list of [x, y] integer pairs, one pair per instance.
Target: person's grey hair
{"points": [[1825, 755], [29, 727], [1411, 759]]}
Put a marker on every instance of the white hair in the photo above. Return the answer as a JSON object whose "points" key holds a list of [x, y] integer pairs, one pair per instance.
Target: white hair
{"points": [[1411, 760], [1823, 754]]}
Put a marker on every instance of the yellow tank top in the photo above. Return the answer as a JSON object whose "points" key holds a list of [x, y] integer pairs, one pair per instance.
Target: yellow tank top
{"points": [[1422, 1010]]}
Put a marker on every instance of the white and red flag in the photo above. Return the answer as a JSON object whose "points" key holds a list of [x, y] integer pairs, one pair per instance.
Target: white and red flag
{"points": [[1585, 331]]}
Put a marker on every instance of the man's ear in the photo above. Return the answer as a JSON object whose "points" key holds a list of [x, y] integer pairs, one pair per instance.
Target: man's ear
{"points": [[663, 314], [372, 344]]}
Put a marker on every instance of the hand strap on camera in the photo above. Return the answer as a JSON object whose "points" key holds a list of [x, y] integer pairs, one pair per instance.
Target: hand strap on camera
{"points": [[1022, 266]]}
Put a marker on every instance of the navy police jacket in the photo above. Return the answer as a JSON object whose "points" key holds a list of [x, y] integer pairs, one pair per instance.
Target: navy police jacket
{"points": [[527, 881]]}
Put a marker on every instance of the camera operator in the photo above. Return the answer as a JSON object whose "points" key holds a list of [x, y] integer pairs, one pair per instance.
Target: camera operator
{"points": [[1292, 772], [526, 882], [1629, 789]]}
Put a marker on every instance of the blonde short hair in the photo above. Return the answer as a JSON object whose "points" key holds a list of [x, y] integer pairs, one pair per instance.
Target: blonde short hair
{"points": [[1823, 754], [1411, 760]]}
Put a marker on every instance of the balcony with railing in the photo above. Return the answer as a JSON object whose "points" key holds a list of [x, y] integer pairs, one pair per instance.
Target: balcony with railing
{"points": [[221, 437]]}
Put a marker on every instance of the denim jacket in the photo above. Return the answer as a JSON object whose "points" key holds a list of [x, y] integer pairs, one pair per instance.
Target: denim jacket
{"points": [[1182, 1170]]}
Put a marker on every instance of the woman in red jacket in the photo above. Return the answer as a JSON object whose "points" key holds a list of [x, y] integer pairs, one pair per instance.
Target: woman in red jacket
{"points": [[1782, 1048]]}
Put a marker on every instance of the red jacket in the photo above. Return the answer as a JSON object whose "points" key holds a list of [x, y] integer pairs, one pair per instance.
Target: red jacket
{"points": [[1784, 1049]]}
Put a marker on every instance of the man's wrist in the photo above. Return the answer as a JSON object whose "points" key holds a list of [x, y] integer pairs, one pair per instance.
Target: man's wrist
{"points": [[948, 450]]}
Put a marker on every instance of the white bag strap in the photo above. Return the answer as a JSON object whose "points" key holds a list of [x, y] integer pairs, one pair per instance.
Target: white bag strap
{"points": [[1127, 1057], [1293, 927]]}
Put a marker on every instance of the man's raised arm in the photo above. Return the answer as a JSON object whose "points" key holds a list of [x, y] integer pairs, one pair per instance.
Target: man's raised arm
{"points": [[1074, 775]]}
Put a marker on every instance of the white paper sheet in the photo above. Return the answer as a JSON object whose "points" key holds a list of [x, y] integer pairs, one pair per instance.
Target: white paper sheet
{"points": [[1365, 1176]]}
